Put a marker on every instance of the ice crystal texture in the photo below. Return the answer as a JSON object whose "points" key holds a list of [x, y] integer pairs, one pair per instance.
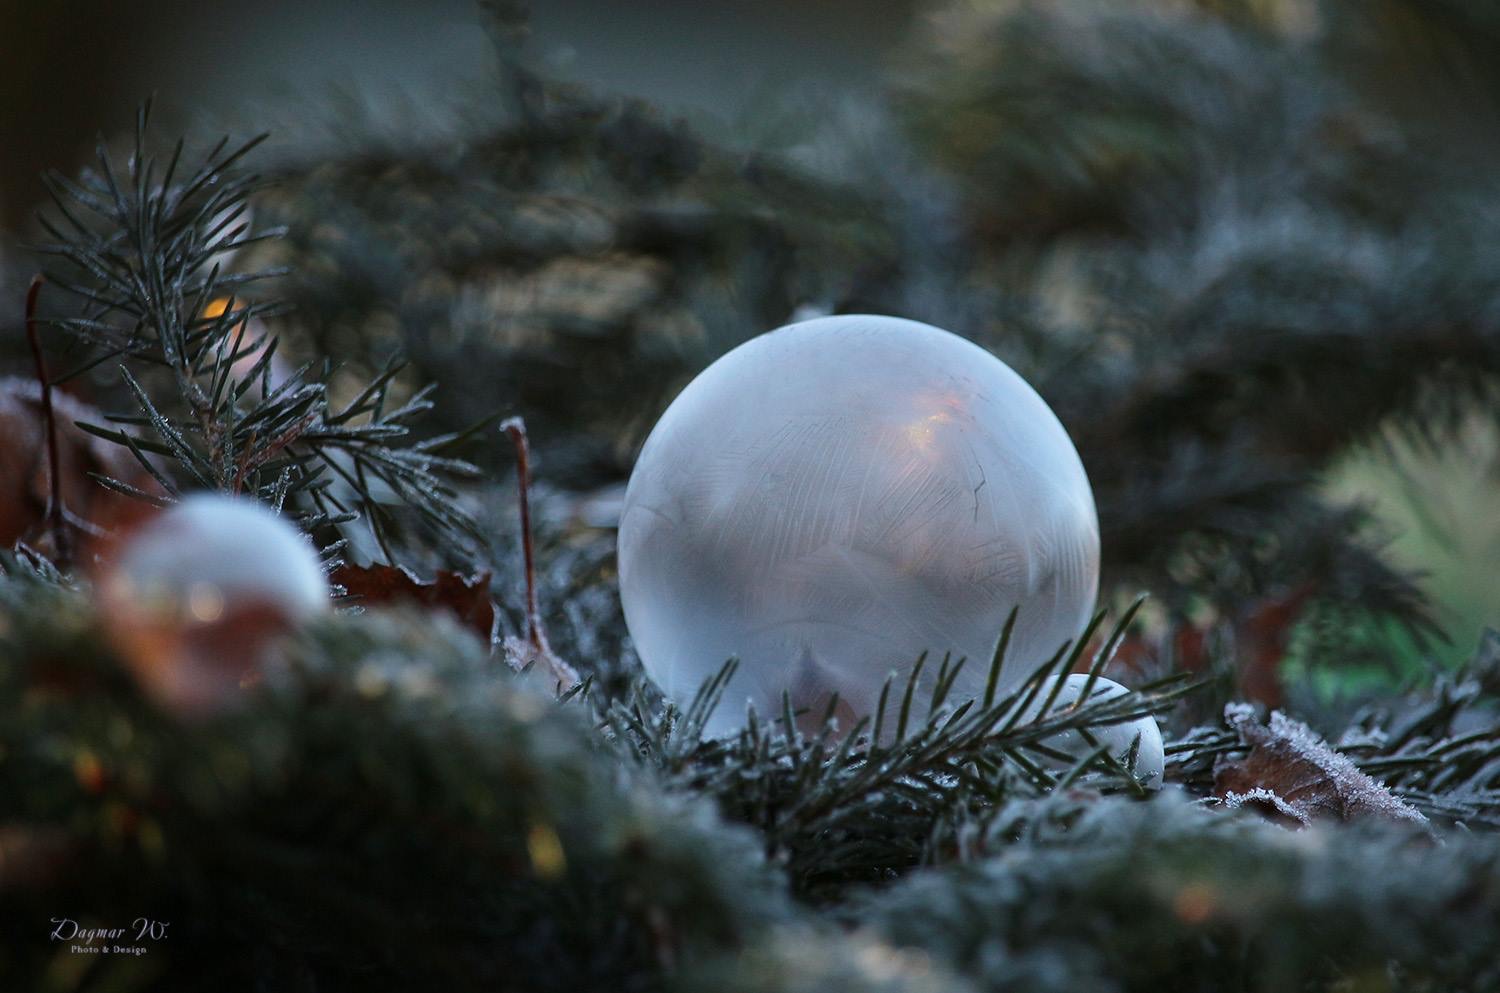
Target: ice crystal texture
{"points": [[830, 500], [1294, 763]]}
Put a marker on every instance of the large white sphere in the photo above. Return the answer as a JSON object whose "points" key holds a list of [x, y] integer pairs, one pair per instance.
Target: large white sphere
{"points": [[830, 500]]}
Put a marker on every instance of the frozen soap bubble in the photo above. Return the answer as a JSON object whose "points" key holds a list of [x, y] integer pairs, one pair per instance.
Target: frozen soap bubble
{"points": [[830, 500]]}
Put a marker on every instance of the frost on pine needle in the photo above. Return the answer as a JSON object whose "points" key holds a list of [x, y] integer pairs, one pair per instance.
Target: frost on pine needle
{"points": [[141, 251]]}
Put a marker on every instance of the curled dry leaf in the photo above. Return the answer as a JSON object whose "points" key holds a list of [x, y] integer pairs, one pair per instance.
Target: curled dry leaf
{"points": [[1295, 776], [1268, 805], [467, 598], [24, 474]]}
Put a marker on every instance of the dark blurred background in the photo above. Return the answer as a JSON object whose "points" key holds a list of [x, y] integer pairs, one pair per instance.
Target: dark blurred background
{"points": [[75, 67]]}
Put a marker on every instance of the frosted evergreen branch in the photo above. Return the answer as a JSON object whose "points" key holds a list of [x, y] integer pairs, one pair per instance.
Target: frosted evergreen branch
{"points": [[143, 258]]}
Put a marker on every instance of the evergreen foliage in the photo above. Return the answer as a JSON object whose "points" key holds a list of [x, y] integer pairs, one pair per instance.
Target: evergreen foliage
{"points": [[1210, 234], [391, 807], [389, 810], [142, 253], [1236, 258], [849, 805], [1213, 233], [1105, 895]]}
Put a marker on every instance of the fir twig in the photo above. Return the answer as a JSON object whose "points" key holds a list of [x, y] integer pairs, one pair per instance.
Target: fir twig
{"points": [[844, 805], [145, 258]]}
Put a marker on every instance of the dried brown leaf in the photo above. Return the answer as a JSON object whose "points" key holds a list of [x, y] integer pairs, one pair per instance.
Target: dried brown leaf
{"points": [[467, 598], [1295, 775], [25, 479]]}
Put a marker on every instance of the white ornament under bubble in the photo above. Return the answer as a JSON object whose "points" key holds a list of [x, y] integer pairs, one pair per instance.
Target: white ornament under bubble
{"points": [[831, 499], [1139, 734]]}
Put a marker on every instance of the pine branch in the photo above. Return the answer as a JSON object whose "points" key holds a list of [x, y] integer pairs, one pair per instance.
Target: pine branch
{"points": [[144, 256], [851, 805]]}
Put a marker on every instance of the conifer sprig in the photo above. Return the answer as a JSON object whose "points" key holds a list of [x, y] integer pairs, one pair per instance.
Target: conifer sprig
{"points": [[843, 806], [145, 253]]}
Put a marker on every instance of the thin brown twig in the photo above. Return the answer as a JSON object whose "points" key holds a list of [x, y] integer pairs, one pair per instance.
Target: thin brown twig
{"points": [[515, 427], [564, 674], [54, 517]]}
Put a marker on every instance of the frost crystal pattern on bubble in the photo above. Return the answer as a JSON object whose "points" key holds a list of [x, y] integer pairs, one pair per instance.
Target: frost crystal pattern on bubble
{"points": [[832, 499]]}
